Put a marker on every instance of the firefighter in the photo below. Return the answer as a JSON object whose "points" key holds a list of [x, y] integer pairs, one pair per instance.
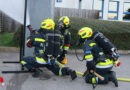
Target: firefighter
{"points": [[96, 58], [63, 27], [40, 58]]}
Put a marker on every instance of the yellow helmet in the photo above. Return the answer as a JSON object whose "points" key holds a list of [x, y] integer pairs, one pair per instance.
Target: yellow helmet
{"points": [[48, 24], [65, 20], [85, 32]]}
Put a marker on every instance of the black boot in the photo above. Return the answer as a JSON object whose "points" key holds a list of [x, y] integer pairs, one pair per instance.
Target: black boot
{"points": [[68, 71], [112, 77], [37, 73], [73, 74]]}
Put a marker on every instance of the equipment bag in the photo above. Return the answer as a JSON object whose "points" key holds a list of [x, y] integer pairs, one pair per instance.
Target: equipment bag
{"points": [[103, 42]]}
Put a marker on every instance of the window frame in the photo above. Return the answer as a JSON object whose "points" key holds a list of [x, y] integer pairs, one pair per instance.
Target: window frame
{"points": [[58, 1]]}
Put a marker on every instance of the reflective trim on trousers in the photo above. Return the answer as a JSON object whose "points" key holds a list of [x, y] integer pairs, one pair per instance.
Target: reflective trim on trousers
{"points": [[60, 73], [40, 60]]}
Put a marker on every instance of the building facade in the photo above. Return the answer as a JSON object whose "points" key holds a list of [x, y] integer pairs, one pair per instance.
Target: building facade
{"points": [[119, 10], [79, 4], [94, 4]]}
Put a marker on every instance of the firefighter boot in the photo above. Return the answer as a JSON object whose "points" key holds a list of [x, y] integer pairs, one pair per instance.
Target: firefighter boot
{"points": [[73, 74], [37, 73], [112, 77]]}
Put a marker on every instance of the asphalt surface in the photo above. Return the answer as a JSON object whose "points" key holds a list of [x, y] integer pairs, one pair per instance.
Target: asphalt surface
{"points": [[49, 81]]}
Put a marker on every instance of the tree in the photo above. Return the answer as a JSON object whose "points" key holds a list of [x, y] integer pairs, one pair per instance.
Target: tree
{"points": [[127, 16]]}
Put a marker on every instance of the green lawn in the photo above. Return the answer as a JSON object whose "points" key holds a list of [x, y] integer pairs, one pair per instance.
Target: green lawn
{"points": [[6, 39]]}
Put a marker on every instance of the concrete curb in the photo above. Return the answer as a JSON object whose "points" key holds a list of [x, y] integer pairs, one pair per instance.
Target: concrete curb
{"points": [[9, 49], [79, 51]]}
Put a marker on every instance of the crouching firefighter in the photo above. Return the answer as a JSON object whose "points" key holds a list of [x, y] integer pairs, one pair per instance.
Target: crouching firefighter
{"points": [[63, 26], [100, 55], [47, 44]]}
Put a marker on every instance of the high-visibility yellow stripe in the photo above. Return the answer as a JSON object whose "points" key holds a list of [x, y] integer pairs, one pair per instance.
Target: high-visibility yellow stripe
{"points": [[60, 73], [23, 62], [104, 66], [93, 80], [39, 40], [101, 53], [28, 40], [40, 60], [61, 47], [61, 65], [61, 35], [107, 62], [92, 44], [66, 48], [88, 56]]}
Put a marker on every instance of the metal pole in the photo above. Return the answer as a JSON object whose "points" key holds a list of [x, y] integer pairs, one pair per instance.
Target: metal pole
{"points": [[117, 9], [23, 35], [6, 72], [14, 62], [93, 5], [102, 8]]}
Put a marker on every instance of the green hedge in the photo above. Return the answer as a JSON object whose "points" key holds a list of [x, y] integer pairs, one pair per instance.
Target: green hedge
{"points": [[117, 32]]}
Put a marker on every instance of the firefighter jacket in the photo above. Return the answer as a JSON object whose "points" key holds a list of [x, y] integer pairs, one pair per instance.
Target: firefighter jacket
{"points": [[95, 57], [65, 39], [38, 42]]}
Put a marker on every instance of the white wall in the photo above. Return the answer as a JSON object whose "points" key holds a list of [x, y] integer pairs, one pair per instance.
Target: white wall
{"points": [[121, 0], [87, 4], [13, 8]]}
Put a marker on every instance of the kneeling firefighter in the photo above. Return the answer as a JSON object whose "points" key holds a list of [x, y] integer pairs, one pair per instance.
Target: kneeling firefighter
{"points": [[63, 26], [47, 44], [100, 55]]}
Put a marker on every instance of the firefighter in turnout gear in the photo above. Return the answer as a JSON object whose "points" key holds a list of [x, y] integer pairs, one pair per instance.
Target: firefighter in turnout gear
{"points": [[98, 58], [63, 26], [42, 56]]}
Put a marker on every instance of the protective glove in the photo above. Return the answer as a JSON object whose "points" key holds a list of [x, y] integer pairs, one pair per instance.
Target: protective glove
{"points": [[117, 63]]}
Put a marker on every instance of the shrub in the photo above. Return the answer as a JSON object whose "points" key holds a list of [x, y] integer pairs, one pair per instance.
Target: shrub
{"points": [[117, 32], [17, 36]]}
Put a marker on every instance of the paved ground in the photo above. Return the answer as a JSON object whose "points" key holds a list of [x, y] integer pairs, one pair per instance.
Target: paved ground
{"points": [[49, 81]]}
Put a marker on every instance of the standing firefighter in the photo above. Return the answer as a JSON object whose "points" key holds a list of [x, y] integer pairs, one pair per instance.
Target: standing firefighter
{"points": [[47, 44], [100, 55], [63, 26]]}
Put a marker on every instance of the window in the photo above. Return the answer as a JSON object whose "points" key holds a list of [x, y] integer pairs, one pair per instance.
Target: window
{"points": [[59, 0]]}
